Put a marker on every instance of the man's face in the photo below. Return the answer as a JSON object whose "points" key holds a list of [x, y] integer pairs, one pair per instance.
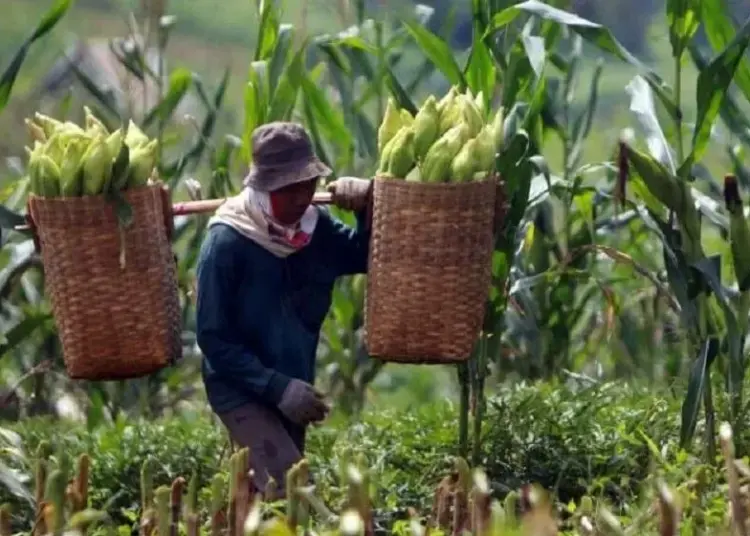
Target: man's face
{"points": [[290, 202]]}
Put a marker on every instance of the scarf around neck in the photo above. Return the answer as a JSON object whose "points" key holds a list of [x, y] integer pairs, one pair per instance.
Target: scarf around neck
{"points": [[250, 214]]}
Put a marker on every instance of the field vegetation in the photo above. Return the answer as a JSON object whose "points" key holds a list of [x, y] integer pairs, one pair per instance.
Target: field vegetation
{"points": [[611, 370]]}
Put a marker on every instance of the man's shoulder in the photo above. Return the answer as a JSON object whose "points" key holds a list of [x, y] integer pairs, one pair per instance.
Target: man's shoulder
{"points": [[225, 241]]}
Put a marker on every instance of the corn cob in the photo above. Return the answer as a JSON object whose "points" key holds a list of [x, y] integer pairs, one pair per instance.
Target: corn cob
{"points": [[481, 104], [415, 175], [142, 161], [48, 176], [135, 136], [385, 155], [35, 131], [402, 156], [447, 100], [391, 124], [497, 129], [71, 171], [47, 124], [426, 125], [464, 164], [470, 114], [485, 150], [97, 168], [407, 119], [92, 123], [437, 162]]}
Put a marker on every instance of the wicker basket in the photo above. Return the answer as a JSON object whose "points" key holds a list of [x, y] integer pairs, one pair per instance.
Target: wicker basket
{"points": [[115, 321], [430, 269]]}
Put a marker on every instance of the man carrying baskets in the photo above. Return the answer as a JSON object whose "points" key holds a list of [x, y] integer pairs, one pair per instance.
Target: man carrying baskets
{"points": [[265, 276]]}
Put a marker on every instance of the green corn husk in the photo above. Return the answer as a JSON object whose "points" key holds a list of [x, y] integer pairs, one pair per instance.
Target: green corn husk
{"points": [[55, 496], [510, 505], [97, 168], [675, 195], [192, 524], [217, 504], [162, 499], [739, 232], [147, 485], [134, 136]]}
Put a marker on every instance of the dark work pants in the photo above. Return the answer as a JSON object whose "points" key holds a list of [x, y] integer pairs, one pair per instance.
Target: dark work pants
{"points": [[274, 445]]}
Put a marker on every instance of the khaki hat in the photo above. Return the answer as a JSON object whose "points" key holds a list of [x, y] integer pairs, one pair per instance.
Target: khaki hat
{"points": [[282, 155]]}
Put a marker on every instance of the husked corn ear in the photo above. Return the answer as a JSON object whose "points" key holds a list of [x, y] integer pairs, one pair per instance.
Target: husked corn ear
{"points": [[47, 124], [71, 170], [48, 176], [451, 115], [385, 154], [447, 100], [407, 119], [402, 156], [392, 122], [97, 168], [114, 143], [485, 150], [142, 161], [464, 163], [93, 124], [135, 136], [481, 104], [497, 129], [437, 164], [470, 114], [55, 147], [415, 175], [37, 133], [426, 125]]}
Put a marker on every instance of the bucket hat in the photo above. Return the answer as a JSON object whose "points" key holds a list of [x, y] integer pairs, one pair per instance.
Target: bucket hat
{"points": [[282, 155]]}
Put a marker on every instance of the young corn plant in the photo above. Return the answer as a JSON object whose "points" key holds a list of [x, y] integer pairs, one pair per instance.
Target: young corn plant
{"points": [[674, 210]]}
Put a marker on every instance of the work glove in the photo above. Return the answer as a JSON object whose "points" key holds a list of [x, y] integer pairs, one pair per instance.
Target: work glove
{"points": [[302, 404], [351, 193]]}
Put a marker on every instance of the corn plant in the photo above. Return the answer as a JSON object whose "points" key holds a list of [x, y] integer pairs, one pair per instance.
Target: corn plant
{"points": [[463, 503]]}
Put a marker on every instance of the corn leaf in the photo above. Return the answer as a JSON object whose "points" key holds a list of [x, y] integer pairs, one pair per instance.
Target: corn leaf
{"points": [[720, 30], [179, 83], [46, 24], [710, 270], [713, 84], [691, 405], [592, 32], [438, 52], [682, 17]]}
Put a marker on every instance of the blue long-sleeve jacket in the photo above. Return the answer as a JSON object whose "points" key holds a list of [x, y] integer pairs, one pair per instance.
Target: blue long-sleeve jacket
{"points": [[259, 316]]}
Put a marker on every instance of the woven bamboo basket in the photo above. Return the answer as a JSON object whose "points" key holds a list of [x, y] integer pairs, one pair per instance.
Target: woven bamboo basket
{"points": [[430, 269], [113, 292]]}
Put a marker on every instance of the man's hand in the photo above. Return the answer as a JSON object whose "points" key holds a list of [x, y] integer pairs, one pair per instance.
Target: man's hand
{"points": [[351, 193], [302, 404]]}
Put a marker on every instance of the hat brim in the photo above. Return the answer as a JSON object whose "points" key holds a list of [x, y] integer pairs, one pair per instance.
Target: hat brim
{"points": [[274, 178]]}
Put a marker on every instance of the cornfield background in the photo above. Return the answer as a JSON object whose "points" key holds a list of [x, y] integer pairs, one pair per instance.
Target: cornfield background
{"points": [[622, 264]]}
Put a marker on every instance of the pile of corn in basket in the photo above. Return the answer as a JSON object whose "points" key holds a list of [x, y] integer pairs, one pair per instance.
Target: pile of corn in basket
{"points": [[102, 222]]}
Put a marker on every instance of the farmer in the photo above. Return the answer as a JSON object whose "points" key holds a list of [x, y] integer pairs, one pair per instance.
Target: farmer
{"points": [[265, 275]]}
